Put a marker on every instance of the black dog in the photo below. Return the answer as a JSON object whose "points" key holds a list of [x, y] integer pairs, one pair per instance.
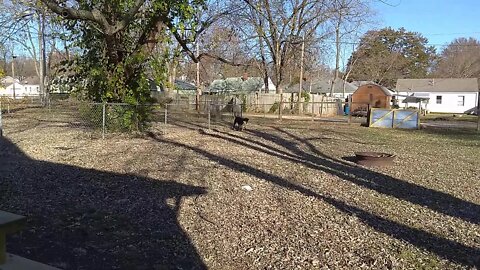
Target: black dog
{"points": [[240, 123]]}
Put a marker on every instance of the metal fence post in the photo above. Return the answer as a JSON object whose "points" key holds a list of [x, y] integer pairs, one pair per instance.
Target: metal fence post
{"points": [[209, 105], [103, 119], [165, 120]]}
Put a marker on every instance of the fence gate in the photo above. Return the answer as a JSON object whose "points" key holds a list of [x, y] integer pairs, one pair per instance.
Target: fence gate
{"points": [[397, 118]]}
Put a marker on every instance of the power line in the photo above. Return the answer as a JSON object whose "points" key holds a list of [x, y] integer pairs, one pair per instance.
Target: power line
{"points": [[428, 44], [451, 34]]}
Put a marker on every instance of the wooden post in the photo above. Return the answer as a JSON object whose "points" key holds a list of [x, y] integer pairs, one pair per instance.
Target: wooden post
{"points": [[321, 106], [419, 107], [394, 114], [9, 223], [350, 109], [280, 108], [369, 115], [418, 122], [313, 110]]}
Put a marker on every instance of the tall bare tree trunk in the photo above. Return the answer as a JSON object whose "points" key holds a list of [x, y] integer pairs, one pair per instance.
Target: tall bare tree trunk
{"points": [[337, 56], [301, 75]]}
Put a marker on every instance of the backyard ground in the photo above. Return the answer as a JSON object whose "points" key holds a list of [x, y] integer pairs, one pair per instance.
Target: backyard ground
{"points": [[176, 201]]}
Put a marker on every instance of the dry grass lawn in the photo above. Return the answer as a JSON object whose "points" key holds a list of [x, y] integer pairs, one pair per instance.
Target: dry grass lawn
{"points": [[176, 201]]}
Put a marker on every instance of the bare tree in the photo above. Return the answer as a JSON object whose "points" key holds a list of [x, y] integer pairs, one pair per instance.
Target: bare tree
{"points": [[459, 59], [28, 26], [349, 16], [276, 27]]}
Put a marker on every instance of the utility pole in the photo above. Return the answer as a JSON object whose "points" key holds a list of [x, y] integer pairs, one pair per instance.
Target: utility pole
{"points": [[301, 74], [13, 75], [197, 98], [41, 45], [337, 56]]}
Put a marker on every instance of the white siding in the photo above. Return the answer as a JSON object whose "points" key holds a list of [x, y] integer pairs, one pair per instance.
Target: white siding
{"points": [[450, 101], [21, 90]]}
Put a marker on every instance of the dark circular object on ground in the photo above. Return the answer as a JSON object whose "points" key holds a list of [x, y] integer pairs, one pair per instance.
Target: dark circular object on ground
{"points": [[374, 159]]}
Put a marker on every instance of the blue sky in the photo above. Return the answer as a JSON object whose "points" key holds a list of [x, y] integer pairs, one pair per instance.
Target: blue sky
{"points": [[440, 21]]}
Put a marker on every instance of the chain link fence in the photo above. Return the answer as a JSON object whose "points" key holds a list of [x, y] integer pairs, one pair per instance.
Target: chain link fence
{"points": [[101, 119]]}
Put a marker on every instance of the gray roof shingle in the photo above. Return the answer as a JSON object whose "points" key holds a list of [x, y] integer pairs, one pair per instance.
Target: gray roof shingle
{"points": [[322, 86], [437, 85]]}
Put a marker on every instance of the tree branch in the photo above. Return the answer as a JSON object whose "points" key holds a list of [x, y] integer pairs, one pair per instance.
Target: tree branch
{"points": [[223, 60], [95, 15], [119, 26]]}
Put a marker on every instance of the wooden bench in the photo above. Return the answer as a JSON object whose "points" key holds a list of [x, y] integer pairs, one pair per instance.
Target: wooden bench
{"points": [[12, 223]]}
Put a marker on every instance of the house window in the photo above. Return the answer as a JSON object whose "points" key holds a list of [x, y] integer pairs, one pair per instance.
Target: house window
{"points": [[461, 101], [439, 99]]}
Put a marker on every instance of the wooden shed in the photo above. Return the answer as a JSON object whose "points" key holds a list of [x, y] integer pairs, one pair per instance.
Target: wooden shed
{"points": [[371, 95]]}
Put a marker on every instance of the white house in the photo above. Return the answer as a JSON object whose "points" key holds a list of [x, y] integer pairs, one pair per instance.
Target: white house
{"points": [[21, 90], [439, 95], [271, 86]]}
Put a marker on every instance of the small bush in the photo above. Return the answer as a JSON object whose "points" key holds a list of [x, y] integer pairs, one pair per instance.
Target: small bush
{"points": [[306, 96], [244, 103], [274, 108], [128, 118]]}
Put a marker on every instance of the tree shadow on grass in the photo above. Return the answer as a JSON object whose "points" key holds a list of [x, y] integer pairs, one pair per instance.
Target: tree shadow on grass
{"points": [[435, 200], [287, 148], [448, 249], [88, 219]]}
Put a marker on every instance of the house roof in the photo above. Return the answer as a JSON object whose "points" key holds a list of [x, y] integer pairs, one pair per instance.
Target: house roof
{"points": [[322, 86], [437, 85], [31, 80], [236, 84], [7, 80], [360, 83], [184, 85], [385, 90], [179, 85]]}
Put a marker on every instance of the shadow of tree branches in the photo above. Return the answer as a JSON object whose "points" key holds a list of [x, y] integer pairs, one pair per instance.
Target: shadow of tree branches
{"points": [[289, 150]]}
